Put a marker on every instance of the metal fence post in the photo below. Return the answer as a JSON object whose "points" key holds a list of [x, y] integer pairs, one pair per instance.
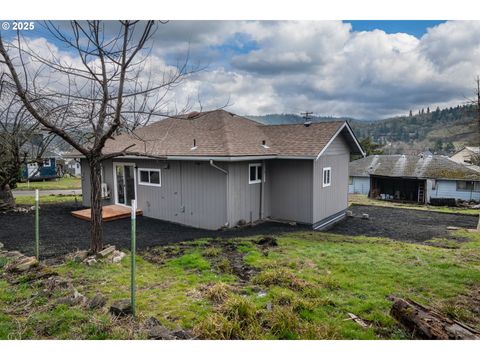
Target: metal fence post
{"points": [[37, 225], [133, 253]]}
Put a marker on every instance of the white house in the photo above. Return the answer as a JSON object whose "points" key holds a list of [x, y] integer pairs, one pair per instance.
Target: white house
{"points": [[413, 178]]}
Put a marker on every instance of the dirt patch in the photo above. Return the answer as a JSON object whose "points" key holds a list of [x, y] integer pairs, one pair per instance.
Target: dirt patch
{"points": [[403, 224], [61, 233], [237, 265]]}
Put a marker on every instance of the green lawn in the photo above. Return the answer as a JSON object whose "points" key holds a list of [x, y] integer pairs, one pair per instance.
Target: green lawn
{"points": [[302, 289], [64, 183], [359, 199], [46, 199]]}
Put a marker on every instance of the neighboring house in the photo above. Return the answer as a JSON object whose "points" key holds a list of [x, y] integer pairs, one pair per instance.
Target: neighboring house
{"points": [[216, 169], [413, 178], [466, 156], [73, 167], [48, 169]]}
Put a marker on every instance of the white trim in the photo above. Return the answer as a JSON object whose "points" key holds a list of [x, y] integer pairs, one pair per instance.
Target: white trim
{"points": [[325, 169], [329, 221], [115, 195], [335, 135], [140, 182], [256, 165], [45, 162]]}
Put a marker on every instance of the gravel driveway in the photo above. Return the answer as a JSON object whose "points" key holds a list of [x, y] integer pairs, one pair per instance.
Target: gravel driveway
{"points": [[402, 224]]}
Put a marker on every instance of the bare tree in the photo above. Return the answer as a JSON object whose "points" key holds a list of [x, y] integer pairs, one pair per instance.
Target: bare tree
{"points": [[17, 131], [105, 87]]}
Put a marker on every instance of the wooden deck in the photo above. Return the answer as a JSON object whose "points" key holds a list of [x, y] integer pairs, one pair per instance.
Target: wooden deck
{"points": [[109, 213]]}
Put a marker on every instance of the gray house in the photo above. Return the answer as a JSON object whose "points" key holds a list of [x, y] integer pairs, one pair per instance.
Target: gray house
{"points": [[413, 178], [216, 169]]}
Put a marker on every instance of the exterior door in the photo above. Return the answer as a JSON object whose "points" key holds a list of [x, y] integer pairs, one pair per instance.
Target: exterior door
{"points": [[124, 175]]}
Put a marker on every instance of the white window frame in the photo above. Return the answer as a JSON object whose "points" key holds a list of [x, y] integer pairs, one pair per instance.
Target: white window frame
{"points": [[47, 161], [325, 170], [140, 182], [256, 165]]}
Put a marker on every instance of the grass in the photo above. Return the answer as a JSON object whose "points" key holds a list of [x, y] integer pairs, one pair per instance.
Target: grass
{"points": [[65, 183], [303, 289], [359, 199], [47, 199]]}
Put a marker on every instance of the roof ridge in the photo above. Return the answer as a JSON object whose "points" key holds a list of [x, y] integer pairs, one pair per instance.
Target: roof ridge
{"points": [[303, 124]]}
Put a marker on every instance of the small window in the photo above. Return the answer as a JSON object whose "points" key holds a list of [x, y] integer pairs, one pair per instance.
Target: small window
{"points": [[468, 185], [149, 177], [350, 180], [327, 176], [78, 166], [46, 163], [434, 184], [255, 173]]}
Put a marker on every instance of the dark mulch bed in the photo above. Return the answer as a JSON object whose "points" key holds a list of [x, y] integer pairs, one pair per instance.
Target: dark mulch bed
{"points": [[403, 224], [61, 233]]}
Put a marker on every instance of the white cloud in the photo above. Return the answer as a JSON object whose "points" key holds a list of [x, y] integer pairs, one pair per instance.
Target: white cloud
{"points": [[320, 66]]}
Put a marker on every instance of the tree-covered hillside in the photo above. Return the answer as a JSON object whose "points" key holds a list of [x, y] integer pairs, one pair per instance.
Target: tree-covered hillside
{"points": [[440, 131]]}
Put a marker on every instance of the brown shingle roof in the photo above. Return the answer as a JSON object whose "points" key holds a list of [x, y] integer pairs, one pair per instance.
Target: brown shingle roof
{"points": [[220, 133]]}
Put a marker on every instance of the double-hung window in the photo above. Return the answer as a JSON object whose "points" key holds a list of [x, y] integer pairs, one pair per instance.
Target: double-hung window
{"points": [[327, 176], [151, 177], [255, 173]]}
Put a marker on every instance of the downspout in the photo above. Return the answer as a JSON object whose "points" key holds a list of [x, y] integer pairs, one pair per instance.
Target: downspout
{"points": [[212, 164], [218, 167], [262, 192]]}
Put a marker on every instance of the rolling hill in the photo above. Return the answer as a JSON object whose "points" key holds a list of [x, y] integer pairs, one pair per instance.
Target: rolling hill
{"points": [[440, 131]]}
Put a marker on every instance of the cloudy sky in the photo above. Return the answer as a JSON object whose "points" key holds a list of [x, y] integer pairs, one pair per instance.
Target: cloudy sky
{"points": [[361, 69]]}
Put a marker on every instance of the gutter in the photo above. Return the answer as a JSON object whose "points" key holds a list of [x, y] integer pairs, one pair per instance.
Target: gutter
{"points": [[216, 158]]}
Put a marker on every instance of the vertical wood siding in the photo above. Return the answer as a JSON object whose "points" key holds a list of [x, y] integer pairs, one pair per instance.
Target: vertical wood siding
{"points": [[291, 190], [192, 193], [332, 199], [243, 199]]}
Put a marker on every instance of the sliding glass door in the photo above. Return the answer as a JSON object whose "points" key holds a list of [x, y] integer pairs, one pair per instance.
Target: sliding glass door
{"points": [[124, 184]]}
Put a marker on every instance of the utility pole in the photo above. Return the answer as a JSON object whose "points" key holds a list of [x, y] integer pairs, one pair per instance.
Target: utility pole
{"points": [[477, 156], [478, 106], [306, 115]]}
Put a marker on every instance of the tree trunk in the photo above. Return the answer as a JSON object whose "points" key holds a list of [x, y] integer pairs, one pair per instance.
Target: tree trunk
{"points": [[478, 225], [96, 231], [426, 323], [7, 201]]}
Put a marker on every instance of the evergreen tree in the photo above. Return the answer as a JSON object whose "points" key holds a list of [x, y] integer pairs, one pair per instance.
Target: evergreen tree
{"points": [[438, 145], [449, 147]]}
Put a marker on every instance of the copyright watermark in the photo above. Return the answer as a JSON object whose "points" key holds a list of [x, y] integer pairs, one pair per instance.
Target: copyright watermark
{"points": [[18, 25]]}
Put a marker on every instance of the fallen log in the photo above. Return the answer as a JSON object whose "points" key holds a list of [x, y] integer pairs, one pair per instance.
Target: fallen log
{"points": [[426, 323]]}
